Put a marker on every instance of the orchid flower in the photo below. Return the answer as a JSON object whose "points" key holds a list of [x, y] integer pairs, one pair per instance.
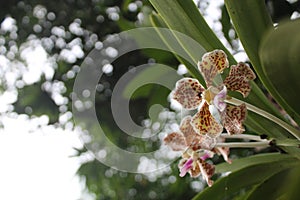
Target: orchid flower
{"points": [[196, 150], [187, 137], [213, 113], [195, 166], [199, 134]]}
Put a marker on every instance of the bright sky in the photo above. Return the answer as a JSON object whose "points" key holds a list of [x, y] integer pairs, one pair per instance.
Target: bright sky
{"points": [[36, 165], [35, 162]]}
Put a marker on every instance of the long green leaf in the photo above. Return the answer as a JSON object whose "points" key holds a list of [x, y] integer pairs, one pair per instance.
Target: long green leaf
{"points": [[243, 179], [280, 59], [271, 188], [291, 188], [284, 185], [175, 46], [254, 160]]}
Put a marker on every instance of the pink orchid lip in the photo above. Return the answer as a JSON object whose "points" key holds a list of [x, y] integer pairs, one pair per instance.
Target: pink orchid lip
{"points": [[186, 167], [205, 156], [219, 99]]}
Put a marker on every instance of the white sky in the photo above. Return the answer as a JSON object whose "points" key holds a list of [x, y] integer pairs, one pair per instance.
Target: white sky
{"points": [[37, 165], [35, 162]]}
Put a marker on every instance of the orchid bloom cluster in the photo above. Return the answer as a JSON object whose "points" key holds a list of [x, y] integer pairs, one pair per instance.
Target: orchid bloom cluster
{"points": [[199, 134]]}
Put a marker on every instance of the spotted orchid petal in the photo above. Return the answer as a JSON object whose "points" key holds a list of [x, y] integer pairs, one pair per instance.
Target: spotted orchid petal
{"points": [[196, 168], [195, 171], [206, 142], [207, 171], [204, 123], [218, 101], [188, 93], [224, 151], [193, 139], [188, 165], [239, 77], [176, 141], [188, 131], [234, 118], [212, 63]]}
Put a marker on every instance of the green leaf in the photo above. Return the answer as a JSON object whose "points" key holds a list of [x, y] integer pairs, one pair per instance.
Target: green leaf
{"points": [[254, 160], [272, 187], [37, 101], [174, 46], [154, 74], [153, 83], [184, 16], [284, 185], [226, 25], [291, 187], [241, 180], [279, 56]]}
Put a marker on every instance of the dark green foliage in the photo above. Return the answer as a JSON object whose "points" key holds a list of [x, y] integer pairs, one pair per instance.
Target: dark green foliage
{"points": [[33, 100]]}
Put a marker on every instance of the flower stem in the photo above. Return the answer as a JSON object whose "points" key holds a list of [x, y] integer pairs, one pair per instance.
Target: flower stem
{"points": [[287, 142], [261, 143], [244, 144], [242, 136], [286, 126]]}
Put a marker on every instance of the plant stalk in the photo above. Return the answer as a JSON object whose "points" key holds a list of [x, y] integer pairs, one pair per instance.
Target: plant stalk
{"points": [[242, 136], [244, 144]]}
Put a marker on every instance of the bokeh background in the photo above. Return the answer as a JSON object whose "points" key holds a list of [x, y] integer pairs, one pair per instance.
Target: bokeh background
{"points": [[42, 46]]}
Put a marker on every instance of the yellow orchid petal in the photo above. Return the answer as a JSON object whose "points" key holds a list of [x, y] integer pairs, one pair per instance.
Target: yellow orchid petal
{"points": [[193, 139], [204, 122]]}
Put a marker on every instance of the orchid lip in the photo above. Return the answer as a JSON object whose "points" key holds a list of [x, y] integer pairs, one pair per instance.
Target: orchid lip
{"points": [[205, 156], [186, 167]]}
